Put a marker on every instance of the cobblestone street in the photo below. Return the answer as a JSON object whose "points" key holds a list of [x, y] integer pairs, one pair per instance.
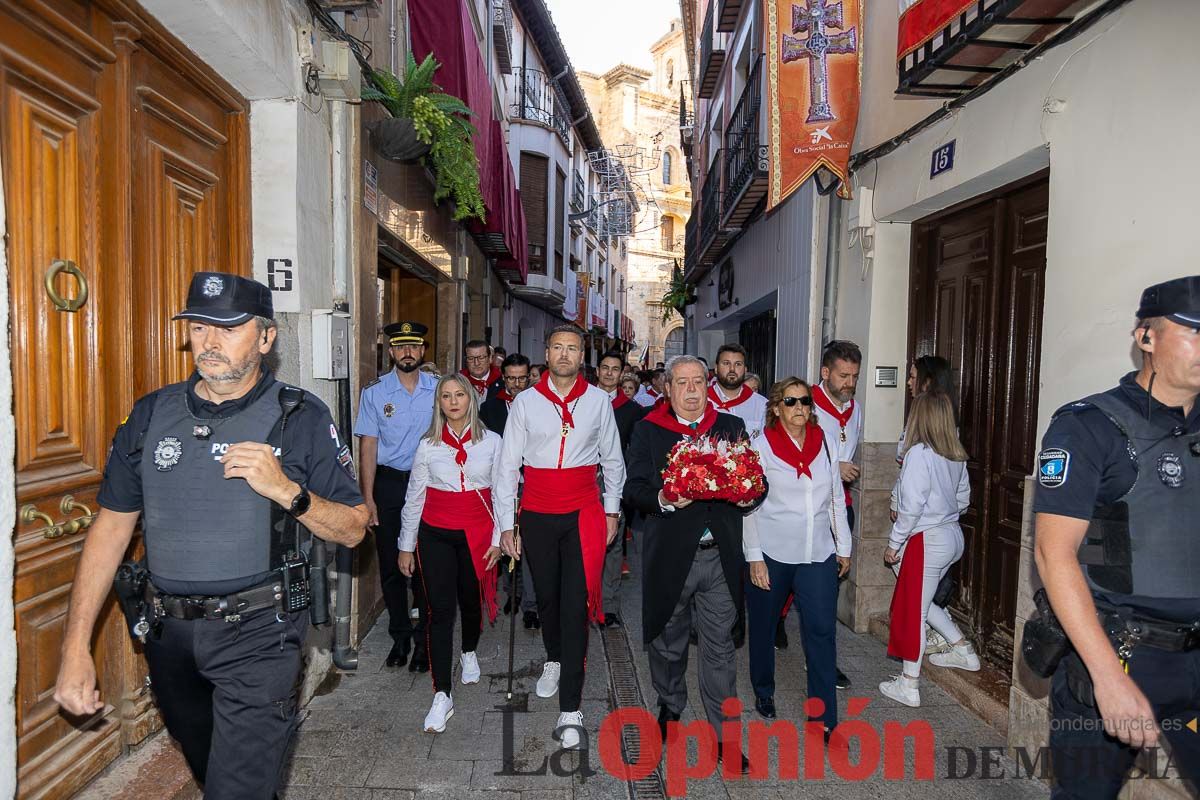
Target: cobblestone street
{"points": [[363, 739]]}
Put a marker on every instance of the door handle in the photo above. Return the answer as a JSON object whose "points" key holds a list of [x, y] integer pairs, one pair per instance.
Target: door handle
{"points": [[78, 524], [30, 514], [996, 478], [70, 268]]}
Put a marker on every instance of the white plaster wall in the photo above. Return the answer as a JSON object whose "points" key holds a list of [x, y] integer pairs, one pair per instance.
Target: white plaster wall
{"points": [[1122, 172], [8, 508]]}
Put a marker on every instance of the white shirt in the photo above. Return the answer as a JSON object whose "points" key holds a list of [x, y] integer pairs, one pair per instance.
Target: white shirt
{"points": [[933, 492], [644, 398], [434, 467], [753, 412], [841, 451], [798, 521], [532, 437]]}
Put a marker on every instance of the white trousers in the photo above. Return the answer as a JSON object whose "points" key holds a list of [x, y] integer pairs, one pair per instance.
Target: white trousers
{"points": [[943, 547]]}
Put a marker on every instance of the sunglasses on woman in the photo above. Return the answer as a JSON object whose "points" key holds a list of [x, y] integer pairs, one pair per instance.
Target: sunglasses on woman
{"points": [[791, 401]]}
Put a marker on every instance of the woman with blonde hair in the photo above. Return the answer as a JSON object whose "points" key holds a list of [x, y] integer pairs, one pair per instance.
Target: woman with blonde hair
{"points": [[797, 541], [447, 528], [925, 542]]}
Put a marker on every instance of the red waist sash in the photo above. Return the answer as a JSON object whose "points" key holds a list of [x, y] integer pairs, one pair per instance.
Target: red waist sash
{"points": [[906, 628], [466, 512], [565, 491]]}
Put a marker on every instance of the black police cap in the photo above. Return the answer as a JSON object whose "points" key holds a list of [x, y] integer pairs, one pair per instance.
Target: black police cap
{"points": [[1178, 300], [399, 333], [220, 298]]}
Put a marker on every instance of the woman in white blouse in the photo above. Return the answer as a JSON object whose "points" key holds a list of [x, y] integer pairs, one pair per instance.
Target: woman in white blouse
{"points": [[797, 541], [447, 526], [925, 542]]}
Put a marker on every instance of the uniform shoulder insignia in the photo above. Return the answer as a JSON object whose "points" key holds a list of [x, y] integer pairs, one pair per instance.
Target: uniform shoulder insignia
{"points": [[1053, 465], [372, 383]]}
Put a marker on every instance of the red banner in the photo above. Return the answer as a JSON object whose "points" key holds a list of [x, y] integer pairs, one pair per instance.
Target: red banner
{"points": [[921, 20], [814, 69]]}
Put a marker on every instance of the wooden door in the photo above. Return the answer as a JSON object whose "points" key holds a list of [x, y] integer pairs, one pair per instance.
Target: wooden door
{"points": [[977, 284], [74, 77]]}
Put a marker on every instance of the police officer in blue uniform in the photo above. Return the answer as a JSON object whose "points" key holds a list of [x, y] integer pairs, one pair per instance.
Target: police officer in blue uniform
{"points": [[394, 412], [211, 465], [1119, 494]]}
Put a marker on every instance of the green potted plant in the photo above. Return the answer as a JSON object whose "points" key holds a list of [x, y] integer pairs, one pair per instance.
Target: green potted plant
{"points": [[428, 124], [678, 297]]}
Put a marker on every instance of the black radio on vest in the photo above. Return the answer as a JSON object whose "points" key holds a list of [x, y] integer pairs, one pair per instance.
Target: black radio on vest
{"points": [[295, 576]]}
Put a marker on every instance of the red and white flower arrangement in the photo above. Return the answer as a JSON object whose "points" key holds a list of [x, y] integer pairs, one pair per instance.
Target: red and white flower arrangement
{"points": [[713, 469]]}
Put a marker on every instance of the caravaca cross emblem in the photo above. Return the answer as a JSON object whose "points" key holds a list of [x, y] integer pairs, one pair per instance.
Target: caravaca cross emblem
{"points": [[815, 19]]}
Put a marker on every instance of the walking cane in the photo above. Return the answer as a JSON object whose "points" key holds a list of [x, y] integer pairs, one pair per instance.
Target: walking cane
{"points": [[514, 567]]}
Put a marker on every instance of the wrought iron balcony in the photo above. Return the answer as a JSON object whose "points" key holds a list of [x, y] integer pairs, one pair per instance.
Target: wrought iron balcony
{"points": [[713, 234], [691, 248], [730, 11], [538, 98], [687, 119], [502, 28], [577, 192], [711, 59], [746, 154]]}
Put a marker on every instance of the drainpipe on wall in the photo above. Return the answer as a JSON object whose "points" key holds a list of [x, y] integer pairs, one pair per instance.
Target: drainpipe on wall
{"points": [[832, 263]]}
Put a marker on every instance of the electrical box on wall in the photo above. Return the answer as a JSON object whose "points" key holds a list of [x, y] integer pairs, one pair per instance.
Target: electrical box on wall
{"points": [[330, 344]]}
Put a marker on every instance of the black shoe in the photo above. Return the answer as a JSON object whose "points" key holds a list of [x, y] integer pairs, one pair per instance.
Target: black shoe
{"points": [[612, 619], [765, 706], [841, 682], [665, 715], [745, 762], [531, 620], [508, 606], [781, 642], [397, 656], [693, 640], [420, 659]]}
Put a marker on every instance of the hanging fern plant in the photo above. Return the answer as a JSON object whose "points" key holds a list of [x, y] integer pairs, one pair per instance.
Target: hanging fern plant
{"points": [[678, 297], [439, 120]]}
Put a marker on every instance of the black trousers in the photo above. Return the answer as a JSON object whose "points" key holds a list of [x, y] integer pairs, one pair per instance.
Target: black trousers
{"points": [[1089, 764], [228, 695], [448, 581], [550, 546], [390, 487]]}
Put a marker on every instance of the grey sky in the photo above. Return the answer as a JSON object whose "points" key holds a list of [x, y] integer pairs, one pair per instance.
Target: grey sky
{"points": [[599, 34]]}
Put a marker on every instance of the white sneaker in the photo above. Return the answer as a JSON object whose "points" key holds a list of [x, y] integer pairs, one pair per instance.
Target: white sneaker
{"points": [[935, 642], [962, 656], [568, 729], [902, 690], [441, 710], [547, 685], [470, 668]]}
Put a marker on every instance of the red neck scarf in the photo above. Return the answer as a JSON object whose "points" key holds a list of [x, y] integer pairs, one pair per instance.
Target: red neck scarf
{"points": [[714, 394], [504, 395], [619, 399], [564, 409], [822, 400], [664, 417], [449, 437], [481, 386], [784, 447]]}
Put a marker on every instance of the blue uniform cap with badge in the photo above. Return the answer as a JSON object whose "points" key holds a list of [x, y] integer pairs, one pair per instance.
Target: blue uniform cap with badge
{"points": [[227, 300], [401, 333], [1178, 300]]}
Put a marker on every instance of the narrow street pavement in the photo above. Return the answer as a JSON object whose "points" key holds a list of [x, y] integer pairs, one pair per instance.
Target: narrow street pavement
{"points": [[363, 738]]}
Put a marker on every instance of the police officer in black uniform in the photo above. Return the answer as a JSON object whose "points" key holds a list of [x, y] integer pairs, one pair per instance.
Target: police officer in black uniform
{"points": [[1119, 493], [215, 465]]}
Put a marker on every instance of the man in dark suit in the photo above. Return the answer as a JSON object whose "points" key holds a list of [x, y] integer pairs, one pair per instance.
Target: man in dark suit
{"points": [[627, 413], [691, 554], [493, 412]]}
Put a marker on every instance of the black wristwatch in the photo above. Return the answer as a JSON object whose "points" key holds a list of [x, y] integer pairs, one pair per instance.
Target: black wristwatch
{"points": [[300, 502]]}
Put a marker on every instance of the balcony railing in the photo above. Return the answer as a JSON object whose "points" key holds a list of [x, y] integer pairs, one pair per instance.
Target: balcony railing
{"points": [[745, 153], [502, 28], [711, 59], [691, 248], [730, 11], [577, 192], [539, 99], [710, 202]]}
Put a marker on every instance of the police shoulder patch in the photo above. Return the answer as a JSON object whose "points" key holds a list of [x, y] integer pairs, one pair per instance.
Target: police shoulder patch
{"points": [[372, 383], [346, 460], [1053, 465]]}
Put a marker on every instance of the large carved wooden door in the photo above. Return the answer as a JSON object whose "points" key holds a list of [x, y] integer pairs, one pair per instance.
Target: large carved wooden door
{"points": [[121, 177], [977, 289]]}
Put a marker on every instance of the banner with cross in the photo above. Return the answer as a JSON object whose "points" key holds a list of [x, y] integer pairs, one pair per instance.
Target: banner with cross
{"points": [[814, 71]]}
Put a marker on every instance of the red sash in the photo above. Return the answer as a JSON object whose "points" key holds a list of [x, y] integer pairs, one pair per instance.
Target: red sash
{"points": [[565, 491], [664, 417], [619, 399], [714, 394], [481, 386], [784, 447], [843, 417], [504, 395], [905, 633], [467, 512]]}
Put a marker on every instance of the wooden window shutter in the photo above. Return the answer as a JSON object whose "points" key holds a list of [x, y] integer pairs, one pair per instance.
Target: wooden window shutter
{"points": [[534, 175]]}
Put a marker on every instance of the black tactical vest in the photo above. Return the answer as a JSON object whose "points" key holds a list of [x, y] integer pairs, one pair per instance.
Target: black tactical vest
{"points": [[1146, 544], [199, 525]]}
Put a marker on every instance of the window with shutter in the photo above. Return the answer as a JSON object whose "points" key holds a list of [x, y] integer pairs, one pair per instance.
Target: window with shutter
{"points": [[534, 181], [560, 223]]}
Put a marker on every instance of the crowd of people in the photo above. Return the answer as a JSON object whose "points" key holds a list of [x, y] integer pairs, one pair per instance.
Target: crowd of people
{"points": [[558, 466]]}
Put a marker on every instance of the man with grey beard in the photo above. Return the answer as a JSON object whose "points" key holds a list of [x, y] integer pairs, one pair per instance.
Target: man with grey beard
{"points": [[216, 467]]}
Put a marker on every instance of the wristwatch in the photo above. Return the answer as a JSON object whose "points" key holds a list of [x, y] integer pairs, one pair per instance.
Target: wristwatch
{"points": [[300, 502], [614, 516]]}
